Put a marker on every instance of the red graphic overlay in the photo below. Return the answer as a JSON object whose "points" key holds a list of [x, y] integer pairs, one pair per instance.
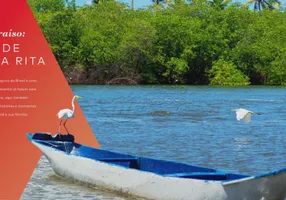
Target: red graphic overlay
{"points": [[31, 94]]}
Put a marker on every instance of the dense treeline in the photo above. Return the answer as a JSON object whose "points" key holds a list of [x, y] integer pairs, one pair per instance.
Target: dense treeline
{"points": [[185, 43]]}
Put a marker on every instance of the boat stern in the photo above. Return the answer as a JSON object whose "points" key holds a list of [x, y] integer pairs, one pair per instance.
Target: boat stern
{"points": [[29, 136], [44, 136], [46, 142]]}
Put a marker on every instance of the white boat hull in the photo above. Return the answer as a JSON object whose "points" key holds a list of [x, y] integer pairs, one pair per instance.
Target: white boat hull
{"points": [[152, 186]]}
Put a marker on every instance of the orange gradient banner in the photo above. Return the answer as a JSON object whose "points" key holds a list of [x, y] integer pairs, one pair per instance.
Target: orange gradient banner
{"points": [[49, 94]]}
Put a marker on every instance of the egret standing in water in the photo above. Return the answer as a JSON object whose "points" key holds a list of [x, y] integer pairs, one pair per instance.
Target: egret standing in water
{"points": [[67, 114], [243, 114]]}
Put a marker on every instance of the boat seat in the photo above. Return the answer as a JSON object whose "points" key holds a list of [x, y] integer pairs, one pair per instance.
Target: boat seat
{"points": [[117, 159], [200, 175], [127, 162]]}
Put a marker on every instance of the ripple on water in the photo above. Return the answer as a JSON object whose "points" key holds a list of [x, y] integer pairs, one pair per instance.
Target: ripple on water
{"points": [[44, 184], [200, 129], [243, 140]]}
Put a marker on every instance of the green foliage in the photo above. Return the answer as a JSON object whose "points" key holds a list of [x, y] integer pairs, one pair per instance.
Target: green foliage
{"points": [[277, 72], [176, 67], [226, 73], [47, 5], [174, 42]]}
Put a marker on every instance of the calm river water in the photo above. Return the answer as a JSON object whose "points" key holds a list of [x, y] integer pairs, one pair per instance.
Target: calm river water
{"points": [[182, 123]]}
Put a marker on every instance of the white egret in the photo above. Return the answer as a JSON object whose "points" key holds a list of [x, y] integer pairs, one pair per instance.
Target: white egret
{"points": [[243, 114], [67, 113]]}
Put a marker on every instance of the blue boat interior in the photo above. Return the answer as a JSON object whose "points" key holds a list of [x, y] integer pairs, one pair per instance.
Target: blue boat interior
{"points": [[160, 167]]}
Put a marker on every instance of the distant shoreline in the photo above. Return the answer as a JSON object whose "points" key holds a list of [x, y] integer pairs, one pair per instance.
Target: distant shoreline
{"points": [[214, 43], [183, 85]]}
